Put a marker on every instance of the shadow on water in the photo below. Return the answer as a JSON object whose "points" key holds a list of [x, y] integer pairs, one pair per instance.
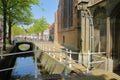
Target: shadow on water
{"points": [[24, 63], [26, 68], [6, 62]]}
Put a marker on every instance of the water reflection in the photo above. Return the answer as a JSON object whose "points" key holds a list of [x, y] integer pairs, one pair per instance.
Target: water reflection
{"points": [[24, 47], [26, 68]]}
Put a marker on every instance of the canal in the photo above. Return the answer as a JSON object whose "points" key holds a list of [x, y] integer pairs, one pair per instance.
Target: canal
{"points": [[23, 64], [25, 69]]}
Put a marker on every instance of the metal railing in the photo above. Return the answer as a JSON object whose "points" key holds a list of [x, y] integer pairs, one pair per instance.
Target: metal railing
{"points": [[19, 53], [64, 56], [68, 56]]}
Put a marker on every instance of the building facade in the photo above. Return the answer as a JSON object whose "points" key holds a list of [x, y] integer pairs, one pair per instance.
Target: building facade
{"points": [[67, 29], [56, 28], [106, 21], [74, 28], [51, 30]]}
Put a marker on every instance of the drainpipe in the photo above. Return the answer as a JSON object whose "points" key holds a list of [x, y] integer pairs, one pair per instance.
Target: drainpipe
{"points": [[82, 5]]}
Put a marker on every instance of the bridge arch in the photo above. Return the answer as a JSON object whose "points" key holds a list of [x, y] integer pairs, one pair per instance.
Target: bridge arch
{"points": [[30, 47]]}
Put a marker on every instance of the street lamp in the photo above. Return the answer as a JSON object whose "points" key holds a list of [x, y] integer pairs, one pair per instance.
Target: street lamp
{"points": [[82, 5]]}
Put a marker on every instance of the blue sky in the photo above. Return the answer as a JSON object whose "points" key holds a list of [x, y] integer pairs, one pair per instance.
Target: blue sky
{"points": [[50, 7]]}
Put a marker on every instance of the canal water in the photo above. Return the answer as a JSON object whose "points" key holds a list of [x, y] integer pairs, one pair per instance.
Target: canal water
{"points": [[25, 68], [24, 65]]}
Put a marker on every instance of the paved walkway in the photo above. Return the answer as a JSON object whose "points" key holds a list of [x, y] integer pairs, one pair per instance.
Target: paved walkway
{"points": [[94, 75]]}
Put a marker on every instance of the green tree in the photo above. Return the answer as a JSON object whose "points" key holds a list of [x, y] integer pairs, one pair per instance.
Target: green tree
{"points": [[4, 13], [16, 8], [20, 14], [23, 17], [16, 30], [39, 26]]}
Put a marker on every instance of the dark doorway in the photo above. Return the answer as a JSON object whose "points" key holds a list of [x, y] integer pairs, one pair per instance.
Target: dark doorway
{"points": [[115, 40], [116, 43]]}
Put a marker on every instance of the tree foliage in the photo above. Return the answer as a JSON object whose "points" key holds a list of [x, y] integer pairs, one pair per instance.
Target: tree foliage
{"points": [[39, 26], [16, 30], [21, 12], [14, 11]]}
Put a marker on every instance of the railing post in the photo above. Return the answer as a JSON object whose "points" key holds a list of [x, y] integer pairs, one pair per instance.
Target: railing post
{"points": [[60, 56], [53, 52], [66, 63], [1, 53], [35, 63], [88, 66], [70, 64], [79, 57], [43, 47], [49, 52]]}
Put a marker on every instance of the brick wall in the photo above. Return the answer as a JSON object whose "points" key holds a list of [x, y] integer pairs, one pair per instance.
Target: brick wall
{"points": [[70, 39]]}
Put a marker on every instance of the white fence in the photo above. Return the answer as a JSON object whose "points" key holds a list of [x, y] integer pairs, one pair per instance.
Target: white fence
{"points": [[20, 53], [64, 56]]}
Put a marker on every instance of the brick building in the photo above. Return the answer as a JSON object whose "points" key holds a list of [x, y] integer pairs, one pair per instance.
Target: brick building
{"points": [[51, 30], [56, 28], [68, 31], [74, 28]]}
